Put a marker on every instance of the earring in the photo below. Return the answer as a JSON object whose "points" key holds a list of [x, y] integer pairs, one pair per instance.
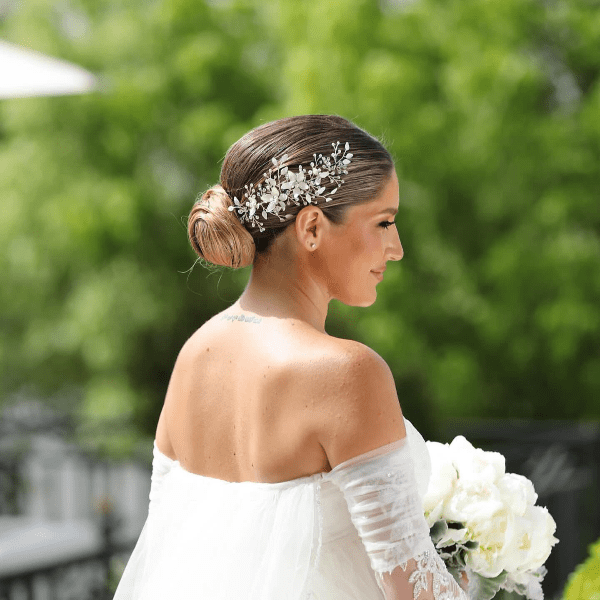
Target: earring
{"points": [[312, 245]]}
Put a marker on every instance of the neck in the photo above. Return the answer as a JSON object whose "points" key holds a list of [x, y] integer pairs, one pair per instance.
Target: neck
{"points": [[285, 289]]}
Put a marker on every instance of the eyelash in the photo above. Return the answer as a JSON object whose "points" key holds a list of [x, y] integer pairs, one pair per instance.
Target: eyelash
{"points": [[387, 224]]}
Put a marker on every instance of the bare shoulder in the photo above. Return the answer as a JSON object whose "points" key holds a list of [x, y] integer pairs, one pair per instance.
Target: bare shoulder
{"points": [[338, 364], [355, 400], [192, 352], [357, 359]]}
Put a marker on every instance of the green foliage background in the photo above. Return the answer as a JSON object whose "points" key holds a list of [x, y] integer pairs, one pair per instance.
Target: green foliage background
{"points": [[491, 110], [584, 582]]}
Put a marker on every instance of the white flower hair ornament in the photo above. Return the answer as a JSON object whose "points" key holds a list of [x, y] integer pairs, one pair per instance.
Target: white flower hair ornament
{"points": [[282, 187]]}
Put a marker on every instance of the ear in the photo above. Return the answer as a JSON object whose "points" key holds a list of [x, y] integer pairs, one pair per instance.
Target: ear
{"points": [[310, 226]]}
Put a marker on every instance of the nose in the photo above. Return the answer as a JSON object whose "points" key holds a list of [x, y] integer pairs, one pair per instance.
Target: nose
{"points": [[395, 250]]}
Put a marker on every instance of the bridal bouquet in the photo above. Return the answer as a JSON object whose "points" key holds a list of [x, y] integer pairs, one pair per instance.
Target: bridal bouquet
{"points": [[485, 521]]}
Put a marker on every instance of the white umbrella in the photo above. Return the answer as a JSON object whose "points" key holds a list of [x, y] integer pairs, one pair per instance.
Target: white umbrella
{"points": [[24, 72]]}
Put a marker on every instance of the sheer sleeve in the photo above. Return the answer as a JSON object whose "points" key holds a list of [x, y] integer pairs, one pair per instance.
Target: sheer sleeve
{"points": [[381, 492]]}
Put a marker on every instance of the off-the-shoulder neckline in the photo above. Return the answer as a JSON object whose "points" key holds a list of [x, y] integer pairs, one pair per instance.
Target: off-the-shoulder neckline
{"points": [[264, 484], [289, 482], [371, 453]]}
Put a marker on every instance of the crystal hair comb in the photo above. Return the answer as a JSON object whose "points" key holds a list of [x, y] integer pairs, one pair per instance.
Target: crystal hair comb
{"points": [[282, 187]]}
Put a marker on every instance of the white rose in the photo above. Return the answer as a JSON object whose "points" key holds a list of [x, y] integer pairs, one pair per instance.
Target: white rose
{"points": [[443, 476], [476, 464], [517, 492]]}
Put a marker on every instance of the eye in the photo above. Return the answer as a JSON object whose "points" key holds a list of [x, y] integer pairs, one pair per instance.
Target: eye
{"points": [[386, 224]]}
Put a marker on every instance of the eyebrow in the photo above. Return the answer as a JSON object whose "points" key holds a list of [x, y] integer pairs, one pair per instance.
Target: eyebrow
{"points": [[389, 211]]}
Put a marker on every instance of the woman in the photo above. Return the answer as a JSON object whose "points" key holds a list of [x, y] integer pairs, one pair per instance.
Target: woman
{"points": [[283, 467]]}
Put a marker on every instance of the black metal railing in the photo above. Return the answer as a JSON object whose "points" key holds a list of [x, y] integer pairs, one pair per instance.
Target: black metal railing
{"points": [[92, 575], [85, 574]]}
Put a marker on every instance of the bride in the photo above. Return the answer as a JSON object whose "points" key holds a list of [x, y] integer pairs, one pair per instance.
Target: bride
{"points": [[283, 466]]}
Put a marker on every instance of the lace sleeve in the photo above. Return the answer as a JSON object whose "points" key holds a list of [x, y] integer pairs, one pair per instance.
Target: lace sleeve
{"points": [[382, 496]]}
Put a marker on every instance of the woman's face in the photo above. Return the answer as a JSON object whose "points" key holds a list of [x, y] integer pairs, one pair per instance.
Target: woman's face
{"points": [[353, 254]]}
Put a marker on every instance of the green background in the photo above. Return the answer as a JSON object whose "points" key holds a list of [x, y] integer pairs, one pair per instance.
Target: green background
{"points": [[491, 110]]}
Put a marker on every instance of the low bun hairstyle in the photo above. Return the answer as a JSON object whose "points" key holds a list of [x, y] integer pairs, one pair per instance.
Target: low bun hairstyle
{"points": [[217, 235]]}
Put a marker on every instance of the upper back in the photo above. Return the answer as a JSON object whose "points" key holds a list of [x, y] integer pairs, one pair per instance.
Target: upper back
{"points": [[273, 401], [234, 409]]}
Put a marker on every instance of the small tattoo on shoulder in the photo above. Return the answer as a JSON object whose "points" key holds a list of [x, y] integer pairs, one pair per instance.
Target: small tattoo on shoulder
{"points": [[245, 318]]}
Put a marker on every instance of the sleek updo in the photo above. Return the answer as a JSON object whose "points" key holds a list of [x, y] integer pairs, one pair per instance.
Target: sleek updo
{"points": [[217, 235]]}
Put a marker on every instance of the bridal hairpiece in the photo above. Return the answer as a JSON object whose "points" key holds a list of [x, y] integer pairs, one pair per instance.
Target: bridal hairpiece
{"points": [[282, 187]]}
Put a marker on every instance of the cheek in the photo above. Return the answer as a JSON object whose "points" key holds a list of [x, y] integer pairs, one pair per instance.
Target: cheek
{"points": [[352, 255], [363, 247], [343, 251]]}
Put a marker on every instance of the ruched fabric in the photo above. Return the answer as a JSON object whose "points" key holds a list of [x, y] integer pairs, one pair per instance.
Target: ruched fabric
{"points": [[210, 539], [382, 495]]}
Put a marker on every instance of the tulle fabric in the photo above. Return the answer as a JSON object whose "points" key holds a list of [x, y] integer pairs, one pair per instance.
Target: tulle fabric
{"points": [[381, 491], [210, 539]]}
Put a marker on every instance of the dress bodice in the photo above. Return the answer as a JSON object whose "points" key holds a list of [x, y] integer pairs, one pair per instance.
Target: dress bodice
{"points": [[333, 506], [210, 538]]}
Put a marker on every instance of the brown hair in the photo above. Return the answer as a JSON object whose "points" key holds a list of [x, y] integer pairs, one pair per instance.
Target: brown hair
{"points": [[217, 235]]}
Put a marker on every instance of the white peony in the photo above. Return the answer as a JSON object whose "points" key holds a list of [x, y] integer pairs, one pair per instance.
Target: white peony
{"points": [[510, 541], [441, 482], [453, 536], [496, 509], [473, 503], [517, 492], [474, 464], [489, 558], [435, 514], [530, 540]]}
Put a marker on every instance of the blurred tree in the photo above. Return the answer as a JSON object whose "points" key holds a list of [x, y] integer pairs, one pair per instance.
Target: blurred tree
{"points": [[491, 111], [96, 192], [584, 582]]}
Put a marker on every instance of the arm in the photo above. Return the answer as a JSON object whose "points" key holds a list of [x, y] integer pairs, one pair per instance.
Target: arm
{"points": [[381, 493], [378, 482]]}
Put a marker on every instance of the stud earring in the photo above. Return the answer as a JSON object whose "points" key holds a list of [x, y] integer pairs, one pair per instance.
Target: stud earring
{"points": [[312, 245]]}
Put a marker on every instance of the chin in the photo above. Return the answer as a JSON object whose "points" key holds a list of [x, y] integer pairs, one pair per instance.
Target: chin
{"points": [[368, 302], [362, 301]]}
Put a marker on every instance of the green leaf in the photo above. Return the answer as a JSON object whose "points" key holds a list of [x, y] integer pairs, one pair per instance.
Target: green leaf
{"points": [[484, 588]]}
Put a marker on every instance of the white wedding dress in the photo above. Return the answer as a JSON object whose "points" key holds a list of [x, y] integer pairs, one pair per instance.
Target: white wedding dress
{"points": [[355, 533]]}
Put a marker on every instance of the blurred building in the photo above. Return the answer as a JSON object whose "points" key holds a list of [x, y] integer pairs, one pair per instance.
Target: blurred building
{"points": [[54, 502]]}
